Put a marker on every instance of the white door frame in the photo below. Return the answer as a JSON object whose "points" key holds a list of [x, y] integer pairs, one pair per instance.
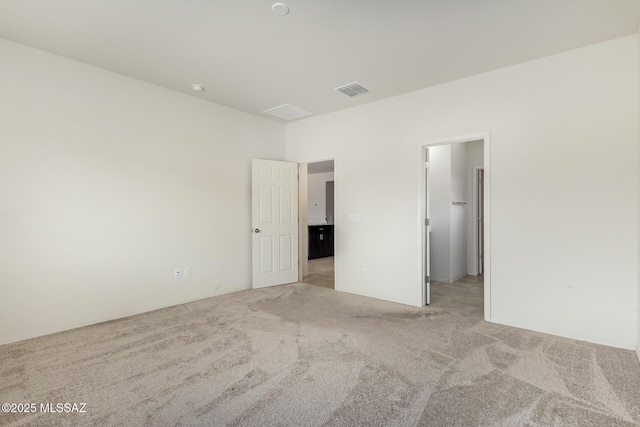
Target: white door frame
{"points": [[426, 233], [304, 220], [422, 192], [474, 223]]}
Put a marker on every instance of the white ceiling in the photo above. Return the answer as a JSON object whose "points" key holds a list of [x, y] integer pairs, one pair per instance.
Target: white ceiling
{"points": [[251, 59]]}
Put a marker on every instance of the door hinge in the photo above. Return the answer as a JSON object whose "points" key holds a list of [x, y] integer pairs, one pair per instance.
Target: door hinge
{"points": [[426, 221], [426, 165], [427, 279]]}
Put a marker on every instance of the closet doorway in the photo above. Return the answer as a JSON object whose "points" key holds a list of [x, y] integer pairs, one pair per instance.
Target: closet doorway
{"points": [[455, 234]]}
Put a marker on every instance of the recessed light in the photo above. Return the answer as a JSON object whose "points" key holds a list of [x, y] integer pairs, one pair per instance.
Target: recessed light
{"points": [[197, 87], [280, 9]]}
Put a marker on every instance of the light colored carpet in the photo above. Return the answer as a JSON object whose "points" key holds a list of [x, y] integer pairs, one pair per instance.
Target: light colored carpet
{"points": [[302, 355], [321, 272]]}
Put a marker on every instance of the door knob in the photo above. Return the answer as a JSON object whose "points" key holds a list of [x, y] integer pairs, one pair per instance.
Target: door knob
{"points": [[256, 230]]}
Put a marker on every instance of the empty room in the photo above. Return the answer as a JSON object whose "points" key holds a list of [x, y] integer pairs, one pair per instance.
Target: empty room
{"points": [[238, 212]]}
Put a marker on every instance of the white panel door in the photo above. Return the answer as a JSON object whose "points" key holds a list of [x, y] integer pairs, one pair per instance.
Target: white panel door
{"points": [[274, 219]]}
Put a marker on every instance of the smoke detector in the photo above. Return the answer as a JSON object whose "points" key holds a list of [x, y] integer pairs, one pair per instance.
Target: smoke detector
{"points": [[288, 112], [280, 9], [198, 88], [353, 89]]}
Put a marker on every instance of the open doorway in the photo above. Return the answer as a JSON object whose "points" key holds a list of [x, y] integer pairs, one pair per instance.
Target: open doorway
{"points": [[455, 243], [317, 187]]}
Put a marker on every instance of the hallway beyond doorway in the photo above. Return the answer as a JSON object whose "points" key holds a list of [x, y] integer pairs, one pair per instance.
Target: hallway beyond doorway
{"points": [[466, 296], [321, 272]]}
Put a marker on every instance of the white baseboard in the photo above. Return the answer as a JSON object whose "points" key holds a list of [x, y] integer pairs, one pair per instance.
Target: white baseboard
{"points": [[370, 295], [459, 277], [11, 340], [556, 333]]}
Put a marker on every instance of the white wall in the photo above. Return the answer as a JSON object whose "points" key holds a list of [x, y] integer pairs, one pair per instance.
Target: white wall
{"points": [[475, 157], [317, 196], [564, 141], [439, 193], [107, 184], [458, 212]]}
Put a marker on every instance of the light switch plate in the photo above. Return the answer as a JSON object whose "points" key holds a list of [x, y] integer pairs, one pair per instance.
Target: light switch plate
{"points": [[354, 218]]}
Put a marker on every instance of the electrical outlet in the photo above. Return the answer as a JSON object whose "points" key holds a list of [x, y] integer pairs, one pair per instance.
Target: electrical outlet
{"points": [[354, 218], [176, 273], [361, 267], [186, 271]]}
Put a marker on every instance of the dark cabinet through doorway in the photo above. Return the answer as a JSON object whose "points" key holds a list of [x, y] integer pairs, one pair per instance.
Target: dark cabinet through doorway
{"points": [[320, 241]]}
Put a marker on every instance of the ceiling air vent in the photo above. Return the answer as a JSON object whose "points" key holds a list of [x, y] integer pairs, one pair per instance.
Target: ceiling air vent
{"points": [[353, 89], [288, 112]]}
